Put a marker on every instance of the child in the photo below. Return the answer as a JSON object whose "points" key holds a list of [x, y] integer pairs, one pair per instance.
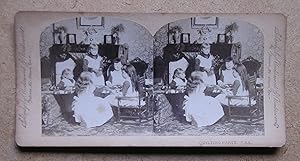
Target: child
{"points": [[93, 63], [67, 80], [231, 83], [63, 60], [178, 79], [204, 63], [200, 109], [130, 88], [89, 110], [115, 76], [229, 77]]}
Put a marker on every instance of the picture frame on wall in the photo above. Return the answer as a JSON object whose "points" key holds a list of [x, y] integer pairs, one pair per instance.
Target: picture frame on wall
{"points": [[108, 39], [71, 38], [185, 38], [201, 21], [171, 38], [221, 38], [88, 21]]}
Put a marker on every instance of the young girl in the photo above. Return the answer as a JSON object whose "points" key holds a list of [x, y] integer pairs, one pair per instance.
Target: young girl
{"points": [[63, 60], [231, 83], [92, 62], [89, 110], [115, 76], [178, 79], [200, 109], [130, 88], [67, 80], [204, 63]]}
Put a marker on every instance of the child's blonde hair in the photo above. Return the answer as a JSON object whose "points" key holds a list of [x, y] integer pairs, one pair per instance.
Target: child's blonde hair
{"points": [[83, 82], [177, 72]]}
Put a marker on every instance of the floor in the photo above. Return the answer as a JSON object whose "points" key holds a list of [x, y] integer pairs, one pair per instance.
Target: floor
{"points": [[169, 126]]}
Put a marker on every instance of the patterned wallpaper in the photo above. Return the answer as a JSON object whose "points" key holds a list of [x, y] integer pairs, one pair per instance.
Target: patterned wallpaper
{"points": [[139, 40], [250, 37]]}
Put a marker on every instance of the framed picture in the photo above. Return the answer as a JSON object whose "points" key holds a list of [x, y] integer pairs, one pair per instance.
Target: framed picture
{"points": [[200, 21], [108, 39], [185, 38], [221, 38], [71, 38], [85, 22], [171, 39]]}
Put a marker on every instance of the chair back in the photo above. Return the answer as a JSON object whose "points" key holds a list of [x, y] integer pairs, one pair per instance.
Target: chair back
{"points": [[252, 66], [140, 66]]}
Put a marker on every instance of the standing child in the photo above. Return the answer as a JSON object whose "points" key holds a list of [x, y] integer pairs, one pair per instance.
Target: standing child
{"points": [[93, 63], [179, 79], [204, 63]]}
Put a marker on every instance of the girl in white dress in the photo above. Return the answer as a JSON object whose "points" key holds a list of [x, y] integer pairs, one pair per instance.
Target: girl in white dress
{"points": [[232, 85], [89, 110], [130, 88], [200, 109], [92, 62], [67, 80], [204, 63], [178, 79], [115, 76]]}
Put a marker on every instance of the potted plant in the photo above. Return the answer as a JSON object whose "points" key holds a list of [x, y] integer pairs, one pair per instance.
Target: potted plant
{"points": [[229, 29], [174, 34], [115, 31]]}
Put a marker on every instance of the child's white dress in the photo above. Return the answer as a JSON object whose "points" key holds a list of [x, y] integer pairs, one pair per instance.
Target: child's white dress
{"points": [[229, 77], [131, 92], [95, 64], [67, 82], [207, 63], [90, 110], [116, 78], [180, 82], [60, 66], [203, 110]]}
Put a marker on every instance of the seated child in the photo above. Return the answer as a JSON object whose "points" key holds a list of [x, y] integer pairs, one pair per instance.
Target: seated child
{"points": [[89, 110], [231, 83], [130, 88], [178, 79], [115, 76], [63, 60], [199, 109], [67, 80], [93, 63]]}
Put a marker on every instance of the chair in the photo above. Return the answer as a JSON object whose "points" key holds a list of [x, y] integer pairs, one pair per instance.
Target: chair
{"points": [[137, 109], [251, 108], [142, 108]]}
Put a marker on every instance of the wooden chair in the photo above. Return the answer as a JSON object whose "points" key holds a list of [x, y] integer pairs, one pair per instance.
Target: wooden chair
{"points": [[142, 109], [139, 110], [250, 111]]}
